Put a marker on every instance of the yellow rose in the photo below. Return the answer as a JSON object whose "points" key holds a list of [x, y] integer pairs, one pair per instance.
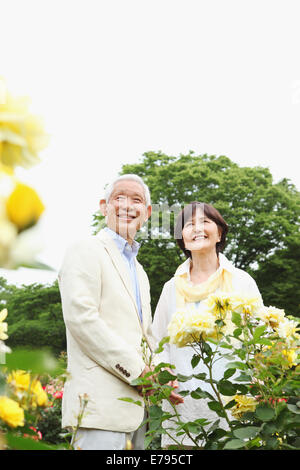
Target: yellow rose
{"points": [[188, 326], [19, 379], [24, 206], [243, 405], [291, 356], [11, 412], [24, 387], [3, 325], [245, 305], [38, 395], [176, 329], [288, 330], [202, 323], [272, 316], [219, 304], [21, 134]]}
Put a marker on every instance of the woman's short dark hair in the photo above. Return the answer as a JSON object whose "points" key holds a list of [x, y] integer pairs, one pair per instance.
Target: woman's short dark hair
{"points": [[211, 213]]}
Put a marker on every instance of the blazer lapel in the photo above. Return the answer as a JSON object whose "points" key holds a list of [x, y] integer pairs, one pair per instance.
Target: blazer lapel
{"points": [[119, 264], [143, 288]]}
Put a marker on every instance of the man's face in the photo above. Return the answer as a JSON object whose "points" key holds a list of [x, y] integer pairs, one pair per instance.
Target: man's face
{"points": [[126, 209]]}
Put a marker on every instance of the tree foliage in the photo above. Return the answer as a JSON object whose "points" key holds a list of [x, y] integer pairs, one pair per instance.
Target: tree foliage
{"points": [[35, 316], [279, 277]]}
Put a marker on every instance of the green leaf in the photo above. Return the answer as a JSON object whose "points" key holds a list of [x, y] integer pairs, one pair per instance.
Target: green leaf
{"points": [[184, 393], [155, 412], [130, 400], [215, 406], [236, 319], [264, 413], [230, 404], [201, 376], [226, 388], [234, 444], [225, 345], [140, 381], [192, 427], [247, 432], [198, 394], [163, 365], [160, 348], [37, 361], [229, 373], [237, 332], [195, 360], [293, 408], [243, 378], [264, 341], [236, 365], [183, 378], [242, 388], [164, 377], [20, 443], [272, 443], [269, 428], [258, 332], [148, 440]]}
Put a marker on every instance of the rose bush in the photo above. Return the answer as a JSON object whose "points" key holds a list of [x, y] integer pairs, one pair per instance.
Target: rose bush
{"points": [[258, 395], [25, 404]]}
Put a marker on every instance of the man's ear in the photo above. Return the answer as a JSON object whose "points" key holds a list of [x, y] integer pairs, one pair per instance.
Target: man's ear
{"points": [[149, 212], [103, 207]]}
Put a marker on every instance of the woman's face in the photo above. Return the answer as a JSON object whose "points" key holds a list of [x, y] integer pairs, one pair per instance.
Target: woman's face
{"points": [[201, 233]]}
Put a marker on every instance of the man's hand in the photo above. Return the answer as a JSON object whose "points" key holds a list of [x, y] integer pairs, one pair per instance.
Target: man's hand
{"points": [[174, 397], [144, 387]]}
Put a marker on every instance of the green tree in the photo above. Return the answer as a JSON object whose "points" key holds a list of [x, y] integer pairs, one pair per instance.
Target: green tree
{"points": [[34, 316], [261, 214], [279, 278]]}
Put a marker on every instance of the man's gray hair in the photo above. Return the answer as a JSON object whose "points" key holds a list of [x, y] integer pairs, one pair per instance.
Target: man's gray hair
{"points": [[129, 176]]}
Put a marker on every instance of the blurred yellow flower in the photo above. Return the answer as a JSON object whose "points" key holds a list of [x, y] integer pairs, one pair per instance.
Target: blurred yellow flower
{"points": [[243, 405], [3, 325], [28, 390], [22, 135], [8, 234], [291, 356], [24, 206], [19, 379], [11, 412], [38, 394]]}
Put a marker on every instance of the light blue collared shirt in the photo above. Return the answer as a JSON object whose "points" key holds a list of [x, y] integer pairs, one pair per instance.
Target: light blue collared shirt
{"points": [[128, 253]]}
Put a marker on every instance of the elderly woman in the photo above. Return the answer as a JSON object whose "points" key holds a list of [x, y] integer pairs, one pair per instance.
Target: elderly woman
{"points": [[200, 232]]}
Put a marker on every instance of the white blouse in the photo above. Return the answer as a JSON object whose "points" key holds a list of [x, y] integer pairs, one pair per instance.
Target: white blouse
{"points": [[191, 409]]}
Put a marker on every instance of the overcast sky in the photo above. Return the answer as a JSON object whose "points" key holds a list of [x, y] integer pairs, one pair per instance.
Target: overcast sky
{"points": [[114, 79]]}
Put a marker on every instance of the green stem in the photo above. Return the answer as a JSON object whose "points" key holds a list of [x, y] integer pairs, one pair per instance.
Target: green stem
{"points": [[216, 392]]}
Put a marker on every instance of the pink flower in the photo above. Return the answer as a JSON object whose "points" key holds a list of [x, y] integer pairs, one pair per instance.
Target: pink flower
{"points": [[38, 436], [58, 394]]}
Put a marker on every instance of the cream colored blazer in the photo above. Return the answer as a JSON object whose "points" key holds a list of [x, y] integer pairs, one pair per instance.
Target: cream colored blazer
{"points": [[104, 334]]}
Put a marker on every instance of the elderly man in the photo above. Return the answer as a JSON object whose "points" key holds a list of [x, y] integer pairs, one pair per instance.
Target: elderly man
{"points": [[106, 307]]}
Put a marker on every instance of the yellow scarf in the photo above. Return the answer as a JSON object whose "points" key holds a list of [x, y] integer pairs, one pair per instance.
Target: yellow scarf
{"points": [[185, 292]]}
